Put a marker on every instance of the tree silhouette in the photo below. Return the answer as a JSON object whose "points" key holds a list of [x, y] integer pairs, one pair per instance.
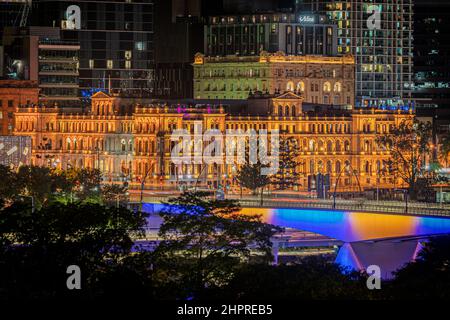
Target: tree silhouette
{"points": [[204, 241], [408, 143]]}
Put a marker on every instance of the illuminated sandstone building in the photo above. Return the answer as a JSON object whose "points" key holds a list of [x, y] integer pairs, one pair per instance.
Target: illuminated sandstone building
{"points": [[15, 93], [324, 80], [134, 142]]}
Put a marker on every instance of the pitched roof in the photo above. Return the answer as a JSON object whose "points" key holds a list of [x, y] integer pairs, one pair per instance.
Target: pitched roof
{"points": [[288, 95], [100, 95]]}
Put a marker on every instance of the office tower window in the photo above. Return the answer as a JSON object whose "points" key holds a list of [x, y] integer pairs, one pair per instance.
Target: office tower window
{"points": [[140, 46], [383, 56], [110, 31]]}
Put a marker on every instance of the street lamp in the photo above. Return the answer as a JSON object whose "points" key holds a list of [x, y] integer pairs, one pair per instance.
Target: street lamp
{"points": [[405, 195], [354, 172], [144, 178], [97, 150]]}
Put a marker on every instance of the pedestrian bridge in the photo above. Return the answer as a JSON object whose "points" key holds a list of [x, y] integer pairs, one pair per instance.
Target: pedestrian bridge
{"points": [[386, 240], [353, 226]]}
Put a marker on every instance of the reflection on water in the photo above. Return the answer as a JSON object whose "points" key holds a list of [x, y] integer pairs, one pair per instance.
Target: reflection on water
{"points": [[352, 226]]}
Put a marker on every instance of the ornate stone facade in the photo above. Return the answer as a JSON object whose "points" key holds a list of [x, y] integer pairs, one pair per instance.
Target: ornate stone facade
{"points": [[15, 93], [321, 80], [136, 145]]}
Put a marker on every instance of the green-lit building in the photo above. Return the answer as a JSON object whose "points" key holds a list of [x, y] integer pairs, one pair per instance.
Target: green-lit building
{"points": [[319, 79]]}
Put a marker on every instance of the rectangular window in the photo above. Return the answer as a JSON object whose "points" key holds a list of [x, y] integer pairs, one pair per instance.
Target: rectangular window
{"points": [[109, 64], [91, 64], [10, 103], [127, 64], [140, 46]]}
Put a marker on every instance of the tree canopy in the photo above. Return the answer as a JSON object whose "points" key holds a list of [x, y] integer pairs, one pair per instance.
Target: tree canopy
{"points": [[429, 276], [288, 174], [408, 144], [37, 247], [45, 184], [204, 241]]}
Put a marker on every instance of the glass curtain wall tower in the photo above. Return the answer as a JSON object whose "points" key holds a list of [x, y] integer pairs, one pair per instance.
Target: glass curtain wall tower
{"points": [[116, 42], [380, 40]]}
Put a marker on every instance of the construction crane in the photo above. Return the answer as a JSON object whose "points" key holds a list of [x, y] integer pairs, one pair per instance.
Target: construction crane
{"points": [[24, 13], [22, 17]]}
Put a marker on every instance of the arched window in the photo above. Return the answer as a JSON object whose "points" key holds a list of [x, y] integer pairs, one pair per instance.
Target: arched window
{"points": [[312, 145], [327, 87], [329, 167], [287, 112], [347, 145], [367, 167], [338, 167], [366, 146], [347, 166], [294, 111], [320, 166], [321, 146], [290, 86], [68, 143], [280, 111], [337, 87], [312, 167], [338, 146], [329, 146], [301, 86]]}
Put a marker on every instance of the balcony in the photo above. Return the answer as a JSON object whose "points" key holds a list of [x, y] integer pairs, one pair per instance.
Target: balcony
{"points": [[59, 85], [59, 73]]}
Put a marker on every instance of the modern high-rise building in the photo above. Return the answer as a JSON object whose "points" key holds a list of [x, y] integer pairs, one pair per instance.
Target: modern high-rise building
{"points": [[432, 52], [379, 34], [38, 54], [14, 13], [218, 7], [178, 37], [252, 34], [432, 62], [116, 42]]}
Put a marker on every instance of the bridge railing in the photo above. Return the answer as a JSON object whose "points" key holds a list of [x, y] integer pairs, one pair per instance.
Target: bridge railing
{"points": [[351, 206], [396, 207]]}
